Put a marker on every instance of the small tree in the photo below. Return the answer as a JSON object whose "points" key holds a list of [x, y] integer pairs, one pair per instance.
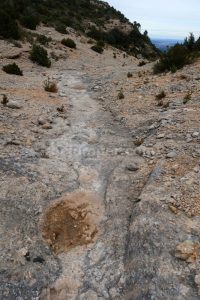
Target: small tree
{"points": [[189, 42], [40, 56], [42, 39], [94, 33], [69, 43], [8, 26], [176, 57], [30, 22], [197, 44]]}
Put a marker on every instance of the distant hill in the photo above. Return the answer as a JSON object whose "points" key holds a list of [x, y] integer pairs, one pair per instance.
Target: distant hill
{"points": [[96, 19], [164, 44]]}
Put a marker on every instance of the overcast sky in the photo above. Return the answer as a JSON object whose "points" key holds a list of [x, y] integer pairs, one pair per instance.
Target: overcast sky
{"points": [[168, 19]]}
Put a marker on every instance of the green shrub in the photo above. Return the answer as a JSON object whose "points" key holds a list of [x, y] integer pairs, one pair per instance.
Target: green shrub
{"points": [[141, 63], [12, 69], [176, 57], [187, 97], [97, 49], [173, 69], [69, 43], [8, 26], [161, 95], [27, 36], [160, 66], [94, 33], [42, 39], [61, 28], [40, 56], [76, 14], [30, 22], [120, 95], [129, 75], [90, 41], [101, 44], [117, 38], [5, 100], [189, 42]]}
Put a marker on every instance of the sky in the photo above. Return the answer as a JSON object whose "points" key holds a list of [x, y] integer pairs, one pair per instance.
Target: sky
{"points": [[173, 19]]}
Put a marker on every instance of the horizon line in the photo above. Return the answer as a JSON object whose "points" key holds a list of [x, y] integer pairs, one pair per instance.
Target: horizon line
{"points": [[167, 38]]}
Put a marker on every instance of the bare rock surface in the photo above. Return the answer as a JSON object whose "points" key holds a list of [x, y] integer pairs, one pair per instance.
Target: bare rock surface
{"points": [[100, 196]]}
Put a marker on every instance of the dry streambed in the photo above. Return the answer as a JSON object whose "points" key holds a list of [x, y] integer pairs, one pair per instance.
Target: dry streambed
{"points": [[87, 213], [61, 244], [100, 152]]}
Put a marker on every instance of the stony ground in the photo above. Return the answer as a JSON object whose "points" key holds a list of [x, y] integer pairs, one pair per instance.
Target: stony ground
{"points": [[100, 196]]}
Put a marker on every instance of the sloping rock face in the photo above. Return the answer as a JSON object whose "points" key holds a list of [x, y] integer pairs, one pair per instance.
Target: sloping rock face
{"points": [[99, 195]]}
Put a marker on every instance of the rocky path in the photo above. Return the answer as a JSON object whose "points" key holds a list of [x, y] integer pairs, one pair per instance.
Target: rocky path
{"points": [[88, 214], [131, 256], [107, 167]]}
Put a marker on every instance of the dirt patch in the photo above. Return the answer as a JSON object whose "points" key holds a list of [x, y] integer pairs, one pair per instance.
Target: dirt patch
{"points": [[71, 221], [181, 166]]}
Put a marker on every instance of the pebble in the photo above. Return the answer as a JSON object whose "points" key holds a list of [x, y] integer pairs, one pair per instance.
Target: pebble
{"points": [[51, 120], [173, 209], [97, 87], [154, 126], [171, 154], [101, 98], [62, 94], [52, 96], [46, 126], [140, 151], [132, 167], [197, 281], [188, 251], [196, 169], [195, 134], [41, 121], [23, 252], [160, 136], [188, 138], [13, 105], [152, 153], [114, 293]]}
